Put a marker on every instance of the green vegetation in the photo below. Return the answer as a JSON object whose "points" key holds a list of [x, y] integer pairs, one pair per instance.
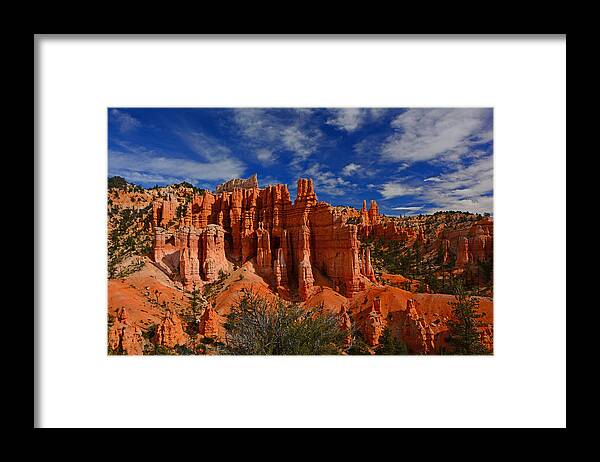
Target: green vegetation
{"points": [[110, 322], [463, 326], [257, 327], [389, 256], [359, 345], [128, 237], [390, 344], [425, 266], [191, 316], [214, 288], [117, 182], [185, 184]]}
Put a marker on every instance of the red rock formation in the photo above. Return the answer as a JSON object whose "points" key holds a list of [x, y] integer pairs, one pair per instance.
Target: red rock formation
{"points": [[210, 324], [263, 251], [478, 246], [364, 215], [374, 325], [373, 213], [280, 269], [124, 337], [238, 183], [420, 237], [213, 252], [366, 266], [159, 244], [416, 331], [256, 223], [418, 318], [335, 248], [169, 332], [444, 248], [306, 196], [463, 258], [305, 275], [163, 211], [487, 336], [346, 326]]}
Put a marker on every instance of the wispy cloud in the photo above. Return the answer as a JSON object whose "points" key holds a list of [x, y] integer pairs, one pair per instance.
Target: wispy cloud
{"points": [[350, 169], [391, 189], [436, 135], [124, 121], [350, 119], [266, 156], [326, 181], [302, 142], [409, 209], [146, 178], [268, 134], [467, 188], [203, 145], [149, 166]]}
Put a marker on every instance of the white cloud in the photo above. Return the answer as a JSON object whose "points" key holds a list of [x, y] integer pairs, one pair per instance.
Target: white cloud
{"points": [[390, 190], [160, 166], [467, 189], [407, 208], [146, 178], [256, 125], [350, 119], [300, 142], [442, 135], [435, 179], [350, 169], [346, 119], [266, 156], [124, 121], [206, 147], [263, 131], [326, 181]]}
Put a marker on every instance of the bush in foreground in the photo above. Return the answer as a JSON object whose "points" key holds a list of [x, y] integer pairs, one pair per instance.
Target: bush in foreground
{"points": [[257, 327]]}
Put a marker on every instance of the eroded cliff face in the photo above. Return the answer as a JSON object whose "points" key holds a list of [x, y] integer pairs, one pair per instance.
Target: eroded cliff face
{"points": [[303, 250], [419, 319], [288, 242], [471, 245], [169, 332], [124, 337]]}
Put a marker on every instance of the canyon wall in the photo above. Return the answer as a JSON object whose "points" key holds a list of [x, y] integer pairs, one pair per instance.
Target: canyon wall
{"points": [[287, 242], [290, 244]]}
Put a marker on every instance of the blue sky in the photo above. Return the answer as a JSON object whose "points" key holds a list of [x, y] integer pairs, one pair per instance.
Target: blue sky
{"points": [[411, 161]]}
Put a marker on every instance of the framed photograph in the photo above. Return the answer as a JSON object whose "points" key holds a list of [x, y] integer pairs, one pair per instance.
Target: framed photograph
{"points": [[202, 260], [314, 232]]}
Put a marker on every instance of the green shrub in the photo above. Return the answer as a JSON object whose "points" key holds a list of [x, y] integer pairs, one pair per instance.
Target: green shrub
{"points": [[390, 344], [128, 237], [117, 182], [257, 327]]}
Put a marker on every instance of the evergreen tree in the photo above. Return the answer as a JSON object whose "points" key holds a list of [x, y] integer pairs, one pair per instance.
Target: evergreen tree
{"points": [[117, 182], [197, 306], [463, 334], [390, 345]]}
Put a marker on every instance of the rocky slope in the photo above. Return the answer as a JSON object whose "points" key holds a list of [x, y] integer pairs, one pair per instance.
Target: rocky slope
{"points": [[244, 237]]}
